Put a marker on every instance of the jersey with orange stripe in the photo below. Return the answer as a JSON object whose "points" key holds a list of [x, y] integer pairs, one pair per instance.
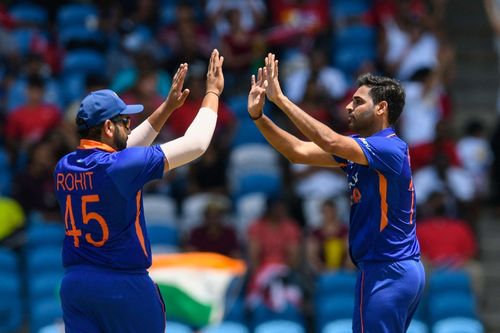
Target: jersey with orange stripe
{"points": [[99, 192], [382, 220]]}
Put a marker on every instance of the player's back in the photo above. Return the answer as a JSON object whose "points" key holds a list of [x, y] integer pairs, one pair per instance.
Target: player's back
{"points": [[99, 192]]}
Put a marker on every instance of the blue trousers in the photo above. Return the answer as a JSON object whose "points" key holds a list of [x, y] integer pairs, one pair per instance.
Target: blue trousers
{"points": [[100, 300], [387, 296]]}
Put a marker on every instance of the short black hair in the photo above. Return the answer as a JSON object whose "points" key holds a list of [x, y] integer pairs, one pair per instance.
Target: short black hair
{"points": [[92, 133], [385, 89]]}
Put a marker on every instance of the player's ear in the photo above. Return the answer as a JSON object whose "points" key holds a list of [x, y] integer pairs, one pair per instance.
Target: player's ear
{"points": [[381, 108], [108, 128]]}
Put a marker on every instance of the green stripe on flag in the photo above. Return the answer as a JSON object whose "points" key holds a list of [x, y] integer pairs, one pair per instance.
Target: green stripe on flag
{"points": [[180, 306]]}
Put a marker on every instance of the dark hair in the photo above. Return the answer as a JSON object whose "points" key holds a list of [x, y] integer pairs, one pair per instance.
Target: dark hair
{"points": [[92, 133], [385, 89], [35, 81]]}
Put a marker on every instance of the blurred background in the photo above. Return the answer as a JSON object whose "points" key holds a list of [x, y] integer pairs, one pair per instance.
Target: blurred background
{"points": [[241, 194]]}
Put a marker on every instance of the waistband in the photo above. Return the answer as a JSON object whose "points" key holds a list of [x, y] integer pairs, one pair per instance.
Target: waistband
{"points": [[368, 264], [91, 268]]}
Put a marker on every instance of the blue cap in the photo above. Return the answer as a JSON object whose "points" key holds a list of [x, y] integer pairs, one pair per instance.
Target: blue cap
{"points": [[100, 105]]}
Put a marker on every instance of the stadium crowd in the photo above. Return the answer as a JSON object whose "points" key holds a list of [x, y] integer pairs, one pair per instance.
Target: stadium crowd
{"points": [[238, 196]]}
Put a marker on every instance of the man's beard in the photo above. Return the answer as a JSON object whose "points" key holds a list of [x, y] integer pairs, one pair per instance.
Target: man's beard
{"points": [[118, 140]]}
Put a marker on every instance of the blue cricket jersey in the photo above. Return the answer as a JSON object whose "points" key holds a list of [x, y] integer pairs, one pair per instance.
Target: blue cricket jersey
{"points": [[99, 192], [382, 220]]}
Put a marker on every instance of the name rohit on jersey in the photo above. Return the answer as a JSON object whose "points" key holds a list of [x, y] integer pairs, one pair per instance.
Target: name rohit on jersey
{"points": [[74, 181]]}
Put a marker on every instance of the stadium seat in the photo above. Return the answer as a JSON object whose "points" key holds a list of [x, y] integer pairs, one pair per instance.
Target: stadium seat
{"points": [[11, 312], [80, 37], [458, 325], [448, 280], [163, 235], [5, 173], [451, 304], [27, 13], [44, 312], [8, 261], [246, 132], [159, 209], [83, 61], [260, 182], [417, 326], [262, 313], [44, 285], [175, 327], [44, 259], [338, 326], [235, 308], [226, 327], [280, 326], [333, 307], [44, 234], [249, 207], [335, 282], [85, 15], [238, 105]]}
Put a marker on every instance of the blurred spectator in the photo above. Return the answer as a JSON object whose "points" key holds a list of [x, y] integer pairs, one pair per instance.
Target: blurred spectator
{"points": [[263, 244], [493, 12], [476, 156], [296, 24], [408, 44], [495, 168], [251, 14], [214, 234], [187, 39], [448, 242], [455, 183], [423, 154], [241, 49], [273, 249], [213, 163], [145, 64], [329, 82], [327, 245], [28, 123], [423, 108], [33, 65], [34, 187]]}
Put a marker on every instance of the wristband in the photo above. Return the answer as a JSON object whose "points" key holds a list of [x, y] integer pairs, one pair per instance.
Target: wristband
{"points": [[213, 92], [256, 118]]}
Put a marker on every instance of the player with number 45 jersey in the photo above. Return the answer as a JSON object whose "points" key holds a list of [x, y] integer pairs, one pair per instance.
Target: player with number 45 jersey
{"points": [[106, 251]]}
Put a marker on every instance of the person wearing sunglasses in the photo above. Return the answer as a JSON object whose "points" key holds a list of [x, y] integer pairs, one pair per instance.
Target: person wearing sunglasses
{"points": [[106, 251]]}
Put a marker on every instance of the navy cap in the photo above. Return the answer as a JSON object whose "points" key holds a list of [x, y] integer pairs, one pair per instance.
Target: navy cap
{"points": [[100, 105]]}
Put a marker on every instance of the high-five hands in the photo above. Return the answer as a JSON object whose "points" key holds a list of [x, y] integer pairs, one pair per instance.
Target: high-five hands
{"points": [[177, 95], [256, 97], [215, 77], [270, 73]]}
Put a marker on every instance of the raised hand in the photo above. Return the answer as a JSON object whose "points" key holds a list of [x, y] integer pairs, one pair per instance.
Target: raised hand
{"points": [[270, 73], [177, 95], [215, 77], [257, 95]]}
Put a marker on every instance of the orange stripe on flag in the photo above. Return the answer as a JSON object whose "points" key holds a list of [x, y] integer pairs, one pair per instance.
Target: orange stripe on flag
{"points": [[382, 187], [199, 260]]}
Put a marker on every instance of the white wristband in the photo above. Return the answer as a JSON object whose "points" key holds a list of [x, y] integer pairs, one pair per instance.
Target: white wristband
{"points": [[194, 142], [142, 135]]}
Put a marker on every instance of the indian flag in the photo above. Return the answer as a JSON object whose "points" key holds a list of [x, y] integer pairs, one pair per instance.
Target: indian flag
{"points": [[195, 285]]}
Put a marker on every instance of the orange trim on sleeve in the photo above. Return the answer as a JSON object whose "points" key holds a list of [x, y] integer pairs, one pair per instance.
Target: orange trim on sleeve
{"points": [[138, 229], [91, 144], [412, 209], [382, 188]]}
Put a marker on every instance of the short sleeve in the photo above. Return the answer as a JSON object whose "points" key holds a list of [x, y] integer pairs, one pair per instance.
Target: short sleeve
{"points": [[136, 166], [383, 154]]}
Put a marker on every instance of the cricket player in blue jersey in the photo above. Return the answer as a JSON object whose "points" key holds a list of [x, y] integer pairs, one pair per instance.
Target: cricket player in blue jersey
{"points": [[106, 251], [382, 240]]}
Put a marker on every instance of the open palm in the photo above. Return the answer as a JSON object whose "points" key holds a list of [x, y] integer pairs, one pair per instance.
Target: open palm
{"points": [[270, 74], [257, 95]]}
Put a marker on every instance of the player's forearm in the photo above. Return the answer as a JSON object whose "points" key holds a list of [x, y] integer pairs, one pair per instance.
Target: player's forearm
{"points": [[194, 142], [146, 132], [281, 140], [313, 129]]}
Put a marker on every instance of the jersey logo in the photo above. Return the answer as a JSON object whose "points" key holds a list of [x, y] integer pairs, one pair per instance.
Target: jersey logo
{"points": [[355, 192]]}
